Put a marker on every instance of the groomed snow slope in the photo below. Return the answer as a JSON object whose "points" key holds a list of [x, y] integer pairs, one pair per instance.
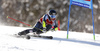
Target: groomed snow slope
{"points": [[77, 41]]}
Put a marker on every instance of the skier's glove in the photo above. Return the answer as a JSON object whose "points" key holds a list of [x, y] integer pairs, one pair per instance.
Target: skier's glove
{"points": [[54, 29], [44, 30]]}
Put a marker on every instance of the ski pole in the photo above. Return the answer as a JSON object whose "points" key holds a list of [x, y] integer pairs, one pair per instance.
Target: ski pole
{"points": [[39, 29]]}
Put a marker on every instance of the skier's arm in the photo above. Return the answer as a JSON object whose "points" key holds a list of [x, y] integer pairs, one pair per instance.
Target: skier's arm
{"points": [[44, 22]]}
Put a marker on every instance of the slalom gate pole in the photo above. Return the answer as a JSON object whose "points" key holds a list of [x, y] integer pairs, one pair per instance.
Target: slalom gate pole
{"points": [[93, 25], [68, 21], [93, 20], [58, 25]]}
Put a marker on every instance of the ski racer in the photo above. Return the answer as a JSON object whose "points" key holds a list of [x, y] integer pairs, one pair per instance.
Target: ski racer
{"points": [[44, 24]]}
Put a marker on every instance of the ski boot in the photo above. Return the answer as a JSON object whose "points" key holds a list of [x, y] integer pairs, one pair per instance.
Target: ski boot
{"points": [[22, 33]]}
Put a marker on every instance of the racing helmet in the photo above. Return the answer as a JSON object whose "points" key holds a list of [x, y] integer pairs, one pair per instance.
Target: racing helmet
{"points": [[52, 13]]}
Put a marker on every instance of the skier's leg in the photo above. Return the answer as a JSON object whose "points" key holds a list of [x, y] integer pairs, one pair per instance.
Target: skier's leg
{"points": [[39, 32], [38, 25], [25, 32], [37, 28], [48, 27]]}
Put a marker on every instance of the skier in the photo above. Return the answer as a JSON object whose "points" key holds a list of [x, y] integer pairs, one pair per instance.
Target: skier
{"points": [[44, 24]]}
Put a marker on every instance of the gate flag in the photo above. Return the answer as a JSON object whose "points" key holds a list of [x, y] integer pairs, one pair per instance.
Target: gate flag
{"points": [[82, 3]]}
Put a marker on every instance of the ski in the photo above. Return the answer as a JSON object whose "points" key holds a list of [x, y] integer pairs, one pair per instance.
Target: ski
{"points": [[46, 37], [30, 36]]}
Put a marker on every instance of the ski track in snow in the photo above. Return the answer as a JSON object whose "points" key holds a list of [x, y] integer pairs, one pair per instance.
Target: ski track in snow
{"points": [[77, 41]]}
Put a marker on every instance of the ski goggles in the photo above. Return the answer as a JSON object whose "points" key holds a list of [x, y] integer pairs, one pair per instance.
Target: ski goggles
{"points": [[52, 16]]}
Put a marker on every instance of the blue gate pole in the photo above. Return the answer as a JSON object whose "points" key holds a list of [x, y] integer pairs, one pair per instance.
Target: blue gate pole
{"points": [[93, 25], [68, 21], [93, 20]]}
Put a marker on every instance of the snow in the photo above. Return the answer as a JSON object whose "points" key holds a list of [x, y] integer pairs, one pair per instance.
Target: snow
{"points": [[77, 41]]}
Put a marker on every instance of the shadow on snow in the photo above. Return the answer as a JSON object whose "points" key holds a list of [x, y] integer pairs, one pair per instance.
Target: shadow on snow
{"points": [[77, 41]]}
